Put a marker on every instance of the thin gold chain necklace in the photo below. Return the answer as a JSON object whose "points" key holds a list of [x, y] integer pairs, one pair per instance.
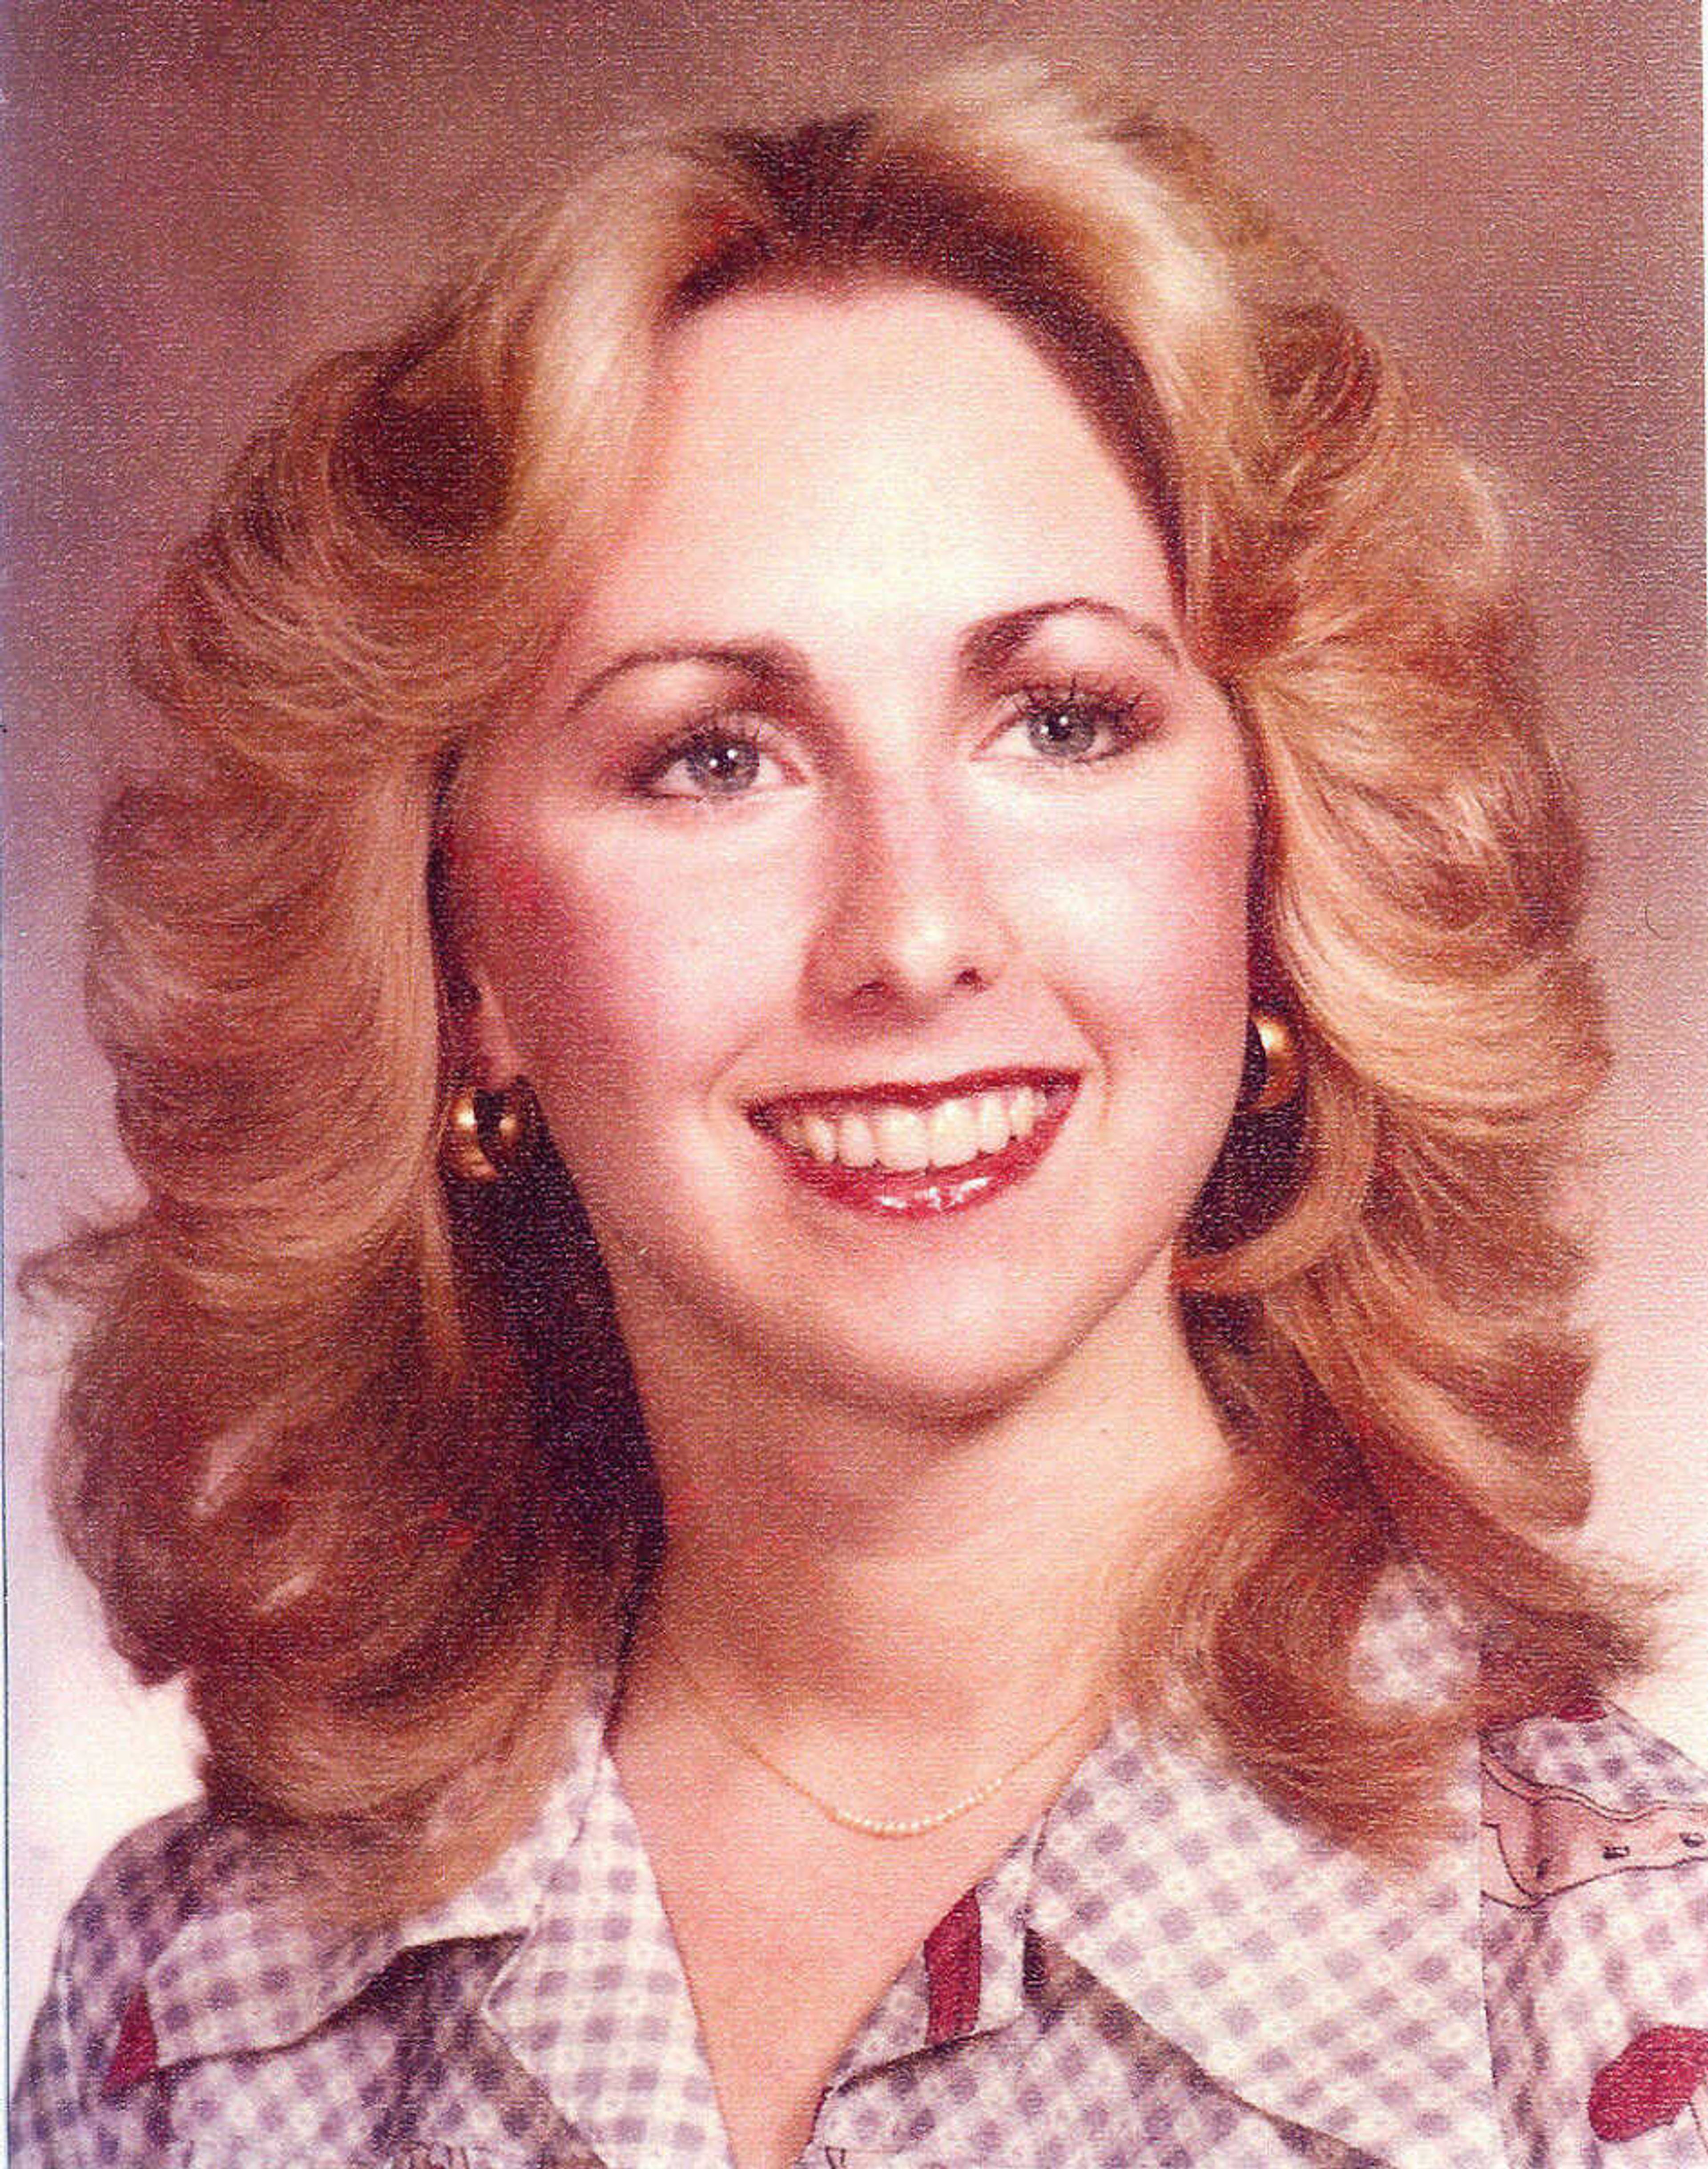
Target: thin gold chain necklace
{"points": [[886, 1826]]}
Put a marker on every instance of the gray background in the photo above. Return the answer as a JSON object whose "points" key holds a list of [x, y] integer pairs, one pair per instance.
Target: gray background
{"points": [[200, 198]]}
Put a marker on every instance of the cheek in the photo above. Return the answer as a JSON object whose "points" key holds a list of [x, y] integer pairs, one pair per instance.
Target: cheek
{"points": [[1148, 929], [615, 975]]}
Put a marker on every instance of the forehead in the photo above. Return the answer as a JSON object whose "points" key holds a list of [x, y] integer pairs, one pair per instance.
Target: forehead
{"points": [[855, 451]]}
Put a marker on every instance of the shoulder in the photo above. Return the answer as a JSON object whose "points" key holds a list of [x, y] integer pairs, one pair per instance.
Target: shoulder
{"points": [[212, 2003], [138, 1896], [136, 1904], [1595, 1889]]}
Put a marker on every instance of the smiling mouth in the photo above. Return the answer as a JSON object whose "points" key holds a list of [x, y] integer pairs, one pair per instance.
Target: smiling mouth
{"points": [[914, 1151]]}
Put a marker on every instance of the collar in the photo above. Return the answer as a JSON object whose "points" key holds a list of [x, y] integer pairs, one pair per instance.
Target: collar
{"points": [[1301, 1977], [251, 1969], [1305, 1981]]}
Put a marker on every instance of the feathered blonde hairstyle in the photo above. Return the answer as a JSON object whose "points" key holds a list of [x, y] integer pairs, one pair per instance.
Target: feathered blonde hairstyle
{"points": [[357, 1451]]}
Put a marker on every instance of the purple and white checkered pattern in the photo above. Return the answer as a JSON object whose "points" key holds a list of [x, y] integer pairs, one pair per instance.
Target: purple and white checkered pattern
{"points": [[1171, 1971]]}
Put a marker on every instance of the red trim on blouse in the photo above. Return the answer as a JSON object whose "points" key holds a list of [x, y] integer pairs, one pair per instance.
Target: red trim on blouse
{"points": [[953, 1952], [1649, 2082], [136, 2052]]}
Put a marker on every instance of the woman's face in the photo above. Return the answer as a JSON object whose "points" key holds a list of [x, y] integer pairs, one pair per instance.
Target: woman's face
{"points": [[865, 898]]}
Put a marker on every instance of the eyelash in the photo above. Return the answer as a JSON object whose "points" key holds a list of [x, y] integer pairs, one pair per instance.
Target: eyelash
{"points": [[1129, 716], [706, 735]]}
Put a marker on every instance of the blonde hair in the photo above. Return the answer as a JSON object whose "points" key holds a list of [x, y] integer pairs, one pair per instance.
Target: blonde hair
{"points": [[356, 1451]]}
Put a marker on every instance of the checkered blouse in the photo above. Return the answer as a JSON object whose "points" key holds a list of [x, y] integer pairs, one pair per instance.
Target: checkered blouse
{"points": [[1164, 1970]]}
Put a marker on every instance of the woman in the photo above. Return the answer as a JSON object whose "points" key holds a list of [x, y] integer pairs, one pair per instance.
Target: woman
{"points": [[852, 1019]]}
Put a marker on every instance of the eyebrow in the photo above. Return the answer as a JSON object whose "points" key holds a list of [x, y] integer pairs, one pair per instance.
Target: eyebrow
{"points": [[770, 662], [982, 651], [986, 647]]}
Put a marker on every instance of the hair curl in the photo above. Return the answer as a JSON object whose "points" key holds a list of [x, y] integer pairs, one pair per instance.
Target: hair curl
{"points": [[358, 1455]]}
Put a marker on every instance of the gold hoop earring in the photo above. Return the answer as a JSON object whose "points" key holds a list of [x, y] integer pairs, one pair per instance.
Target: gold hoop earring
{"points": [[1274, 1069], [485, 1136]]}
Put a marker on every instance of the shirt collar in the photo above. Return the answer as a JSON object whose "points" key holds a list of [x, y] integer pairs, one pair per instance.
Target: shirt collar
{"points": [[1316, 1987], [251, 1968], [1289, 1969]]}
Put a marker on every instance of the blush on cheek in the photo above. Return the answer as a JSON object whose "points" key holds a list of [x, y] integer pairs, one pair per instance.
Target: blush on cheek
{"points": [[1204, 870], [492, 863], [1160, 914], [525, 933], [516, 885], [614, 975]]}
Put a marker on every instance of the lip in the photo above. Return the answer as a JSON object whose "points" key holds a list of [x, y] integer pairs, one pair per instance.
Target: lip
{"points": [[920, 1093], [928, 1193]]}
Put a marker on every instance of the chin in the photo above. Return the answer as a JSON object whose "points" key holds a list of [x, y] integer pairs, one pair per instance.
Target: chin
{"points": [[927, 1388], [954, 1370]]}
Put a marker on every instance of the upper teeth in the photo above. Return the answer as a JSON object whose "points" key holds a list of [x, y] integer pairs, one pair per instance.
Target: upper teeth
{"points": [[905, 1139]]}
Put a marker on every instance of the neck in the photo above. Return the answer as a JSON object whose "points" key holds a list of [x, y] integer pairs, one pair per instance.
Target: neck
{"points": [[840, 1570]]}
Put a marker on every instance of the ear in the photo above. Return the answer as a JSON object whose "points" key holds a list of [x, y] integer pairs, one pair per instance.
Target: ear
{"points": [[485, 1053], [482, 1051]]}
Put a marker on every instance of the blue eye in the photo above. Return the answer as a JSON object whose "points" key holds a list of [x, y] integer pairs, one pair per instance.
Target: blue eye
{"points": [[719, 760], [1075, 733], [1071, 725]]}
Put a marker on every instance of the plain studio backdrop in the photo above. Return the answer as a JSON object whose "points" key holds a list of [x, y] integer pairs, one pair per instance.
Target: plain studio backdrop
{"points": [[204, 197]]}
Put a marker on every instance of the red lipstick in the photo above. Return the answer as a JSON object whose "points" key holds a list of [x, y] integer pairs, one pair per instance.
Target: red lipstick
{"points": [[927, 1192]]}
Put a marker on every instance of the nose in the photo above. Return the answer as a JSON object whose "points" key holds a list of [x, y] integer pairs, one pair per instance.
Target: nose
{"points": [[909, 923]]}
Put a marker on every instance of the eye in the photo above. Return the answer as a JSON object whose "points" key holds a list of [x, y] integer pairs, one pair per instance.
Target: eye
{"points": [[713, 760], [1073, 725]]}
